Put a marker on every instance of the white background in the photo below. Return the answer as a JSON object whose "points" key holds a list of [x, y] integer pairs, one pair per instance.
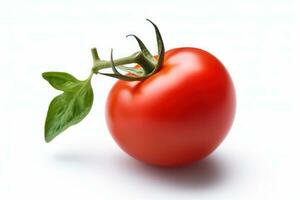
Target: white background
{"points": [[256, 40]]}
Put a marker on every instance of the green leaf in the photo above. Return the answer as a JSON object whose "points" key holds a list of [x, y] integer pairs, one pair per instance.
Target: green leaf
{"points": [[70, 107], [62, 81]]}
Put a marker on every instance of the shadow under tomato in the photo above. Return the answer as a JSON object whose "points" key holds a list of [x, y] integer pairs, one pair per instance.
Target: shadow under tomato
{"points": [[205, 174]]}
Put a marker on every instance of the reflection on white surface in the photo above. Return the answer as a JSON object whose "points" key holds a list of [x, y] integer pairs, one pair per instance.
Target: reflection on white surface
{"points": [[209, 175], [206, 174]]}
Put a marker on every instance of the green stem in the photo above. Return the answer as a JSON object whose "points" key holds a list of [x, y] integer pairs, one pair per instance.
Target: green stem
{"points": [[95, 55], [149, 65], [137, 57]]}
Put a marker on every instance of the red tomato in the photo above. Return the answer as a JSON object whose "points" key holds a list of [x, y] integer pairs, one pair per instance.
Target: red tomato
{"points": [[177, 116]]}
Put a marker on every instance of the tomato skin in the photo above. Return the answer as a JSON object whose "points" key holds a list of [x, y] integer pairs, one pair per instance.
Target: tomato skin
{"points": [[177, 116]]}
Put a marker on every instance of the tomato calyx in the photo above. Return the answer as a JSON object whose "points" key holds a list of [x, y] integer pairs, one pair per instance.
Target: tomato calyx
{"points": [[149, 65]]}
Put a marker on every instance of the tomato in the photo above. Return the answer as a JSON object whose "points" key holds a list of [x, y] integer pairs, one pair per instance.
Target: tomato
{"points": [[177, 116]]}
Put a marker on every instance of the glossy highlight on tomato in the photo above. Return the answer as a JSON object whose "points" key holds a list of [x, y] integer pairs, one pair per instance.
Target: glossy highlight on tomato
{"points": [[177, 116]]}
